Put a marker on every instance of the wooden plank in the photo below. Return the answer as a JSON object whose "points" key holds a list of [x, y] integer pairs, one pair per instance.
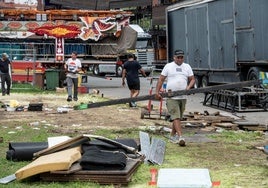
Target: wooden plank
{"points": [[102, 177], [227, 125], [256, 128], [73, 142], [176, 93], [61, 160], [74, 168], [214, 118]]}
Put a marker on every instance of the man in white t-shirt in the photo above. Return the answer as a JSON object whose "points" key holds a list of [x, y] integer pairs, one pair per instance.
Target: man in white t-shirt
{"points": [[72, 67], [179, 76]]}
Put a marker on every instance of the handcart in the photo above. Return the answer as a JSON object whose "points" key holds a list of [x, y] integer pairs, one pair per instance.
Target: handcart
{"points": [[148, 112]]}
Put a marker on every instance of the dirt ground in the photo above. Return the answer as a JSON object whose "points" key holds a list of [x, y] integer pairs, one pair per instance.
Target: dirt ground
{"points": [[84, 121], [81, 121]]}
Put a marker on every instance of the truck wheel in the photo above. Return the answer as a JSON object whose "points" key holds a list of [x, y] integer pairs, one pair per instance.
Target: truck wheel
{"points": [[253, 73], [197, 81], [119, 70], [204, 81], [96, 70]]}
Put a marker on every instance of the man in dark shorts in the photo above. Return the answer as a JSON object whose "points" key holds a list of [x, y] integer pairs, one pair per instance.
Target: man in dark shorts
{"points": [[131, 71], [5, 69]]}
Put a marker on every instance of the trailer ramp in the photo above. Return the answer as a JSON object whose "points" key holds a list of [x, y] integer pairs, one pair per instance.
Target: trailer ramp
{"points": [[246, 99]]}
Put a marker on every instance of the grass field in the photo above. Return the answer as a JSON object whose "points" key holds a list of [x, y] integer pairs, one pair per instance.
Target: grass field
{"points": [[232, 159]]}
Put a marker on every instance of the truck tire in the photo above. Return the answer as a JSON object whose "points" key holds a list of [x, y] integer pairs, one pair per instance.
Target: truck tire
{"points": [[96, 70], [197, 81], [204, 81], [253, 73], [119, 70]]}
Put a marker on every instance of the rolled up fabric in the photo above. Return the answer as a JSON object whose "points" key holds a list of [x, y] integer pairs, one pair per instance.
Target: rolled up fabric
{"points": [[23, 151]]}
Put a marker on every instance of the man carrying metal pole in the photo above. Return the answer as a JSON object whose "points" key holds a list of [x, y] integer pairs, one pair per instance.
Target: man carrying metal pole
{"points": [[179, 77]]}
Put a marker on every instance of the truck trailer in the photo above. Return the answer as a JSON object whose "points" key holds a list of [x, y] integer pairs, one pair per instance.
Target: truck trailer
{"points": [[224, 40], [133, 40], [41, 40]]}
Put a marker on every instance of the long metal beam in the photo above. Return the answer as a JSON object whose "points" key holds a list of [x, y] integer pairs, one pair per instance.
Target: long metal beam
{"points": [[177, 93]]}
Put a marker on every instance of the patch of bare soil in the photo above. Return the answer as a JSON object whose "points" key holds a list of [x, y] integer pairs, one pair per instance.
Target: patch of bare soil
{"points": [[108, 117], [115, 117]]}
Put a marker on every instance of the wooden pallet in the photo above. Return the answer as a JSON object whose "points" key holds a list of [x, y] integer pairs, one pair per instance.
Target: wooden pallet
{"points": [[121, 177]]}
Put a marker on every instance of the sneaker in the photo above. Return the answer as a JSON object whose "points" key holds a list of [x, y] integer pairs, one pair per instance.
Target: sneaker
{"points": [[174, 139], [75, 99], [69, 99], [133, 104], [181, 141]]}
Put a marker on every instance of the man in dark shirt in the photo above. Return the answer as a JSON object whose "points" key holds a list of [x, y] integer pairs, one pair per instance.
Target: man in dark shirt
{"points": [[131, 71], [5, 65]]}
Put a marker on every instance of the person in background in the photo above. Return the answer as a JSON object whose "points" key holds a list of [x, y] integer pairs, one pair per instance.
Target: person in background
{"points": [[179, 77], [5, 69], [131, 71], [72, 66]]}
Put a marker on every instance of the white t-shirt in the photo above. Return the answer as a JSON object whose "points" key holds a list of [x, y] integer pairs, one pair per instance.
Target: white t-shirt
{"points": [[177, 76], [73, 66]]}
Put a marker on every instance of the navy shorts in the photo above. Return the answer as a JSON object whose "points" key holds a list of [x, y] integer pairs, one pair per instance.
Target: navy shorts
{"points": [[134, 86]]}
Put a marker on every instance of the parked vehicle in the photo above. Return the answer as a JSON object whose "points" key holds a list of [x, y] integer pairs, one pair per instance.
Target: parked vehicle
{"points": [[141, 46], [40, 40], [224, 40]]}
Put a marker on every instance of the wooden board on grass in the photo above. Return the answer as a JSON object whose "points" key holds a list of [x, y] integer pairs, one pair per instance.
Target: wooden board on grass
{"points": [[73, 142], [61, 160], [121, 177]]}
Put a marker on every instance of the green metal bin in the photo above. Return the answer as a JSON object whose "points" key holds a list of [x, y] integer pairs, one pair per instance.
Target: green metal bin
{"points": [[52, 79]]}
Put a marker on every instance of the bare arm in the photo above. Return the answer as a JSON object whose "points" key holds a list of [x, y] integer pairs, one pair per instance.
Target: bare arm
{"points": [[10, 66], [159, 86], [142, 72], [65, 67], [123, 77], [191, 82]]}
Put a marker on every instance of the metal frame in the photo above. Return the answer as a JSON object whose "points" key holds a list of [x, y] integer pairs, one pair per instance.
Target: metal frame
{"points": [[247, 99]]}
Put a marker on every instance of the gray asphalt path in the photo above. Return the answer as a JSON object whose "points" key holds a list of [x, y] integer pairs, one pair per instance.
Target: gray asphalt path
{"points": [[111, 87]]}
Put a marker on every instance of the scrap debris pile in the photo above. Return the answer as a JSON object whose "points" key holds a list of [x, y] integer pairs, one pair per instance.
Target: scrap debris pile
{"points": [[216, 120], [84, 158]]}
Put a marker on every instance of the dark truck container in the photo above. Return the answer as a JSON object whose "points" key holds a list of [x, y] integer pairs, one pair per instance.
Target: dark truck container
{"points": [[224, 40]]}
